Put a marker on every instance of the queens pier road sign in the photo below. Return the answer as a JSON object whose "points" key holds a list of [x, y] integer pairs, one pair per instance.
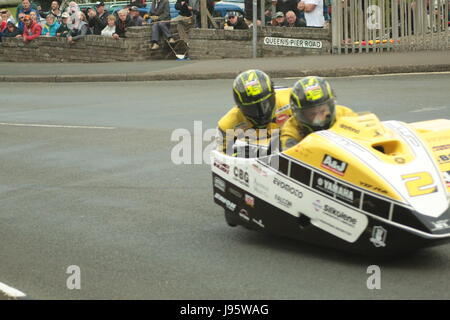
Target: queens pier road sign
{"points": [[286, 42]]}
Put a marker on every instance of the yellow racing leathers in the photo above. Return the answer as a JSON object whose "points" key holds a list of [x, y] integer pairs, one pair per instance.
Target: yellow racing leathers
{"points": [[236, 124], [293, 131]]}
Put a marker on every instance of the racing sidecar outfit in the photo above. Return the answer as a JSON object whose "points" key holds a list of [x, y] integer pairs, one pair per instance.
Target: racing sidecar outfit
{"points": [[293, 132], [237, 123]]}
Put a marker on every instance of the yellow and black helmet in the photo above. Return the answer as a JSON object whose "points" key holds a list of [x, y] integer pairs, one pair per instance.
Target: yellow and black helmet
{"points": [[313, 103], [254, 94]]}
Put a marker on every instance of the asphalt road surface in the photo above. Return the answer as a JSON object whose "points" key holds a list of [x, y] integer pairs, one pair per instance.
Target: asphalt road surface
{"points": [[87, 180]]}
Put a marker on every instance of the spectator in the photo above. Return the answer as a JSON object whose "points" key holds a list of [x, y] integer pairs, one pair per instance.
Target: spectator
{"points": [[110, 28], [20, 23], [292, 21], [234, 21], [138, 3], [79, 29], [63, 30], [122, 24], [136, 16], [160, 13], [35, 18], [32, 29], [313, 10], [72, 10], [183, 9], [248, 9], [279, 19], [98, 19], [5, 17], [285, 6], [3, 20], [54, 10], [26, 8], [51, 26], [11, 31]]}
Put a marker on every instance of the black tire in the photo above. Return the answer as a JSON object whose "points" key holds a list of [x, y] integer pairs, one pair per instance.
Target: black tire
{"points": [[230, 218]]}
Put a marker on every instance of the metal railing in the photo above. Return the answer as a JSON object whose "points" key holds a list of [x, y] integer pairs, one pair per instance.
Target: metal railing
{"points": [[360, 26]]}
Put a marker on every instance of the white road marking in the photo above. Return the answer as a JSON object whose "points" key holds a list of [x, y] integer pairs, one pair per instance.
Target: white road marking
{"points": [[429, 109], [11, 292], [379, 75], [53, 126]]}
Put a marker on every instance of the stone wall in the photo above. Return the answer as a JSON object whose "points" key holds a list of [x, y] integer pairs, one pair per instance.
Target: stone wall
{"points": [[203, 44], [214, 43], [91, 48]]}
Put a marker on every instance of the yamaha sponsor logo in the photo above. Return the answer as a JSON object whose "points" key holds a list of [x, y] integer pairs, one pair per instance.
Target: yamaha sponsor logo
{"points": [[241, 176], [283, 201], [335, 188], [222, 166], [334, 165], [219, 184], [230, 205], [288, 188]]}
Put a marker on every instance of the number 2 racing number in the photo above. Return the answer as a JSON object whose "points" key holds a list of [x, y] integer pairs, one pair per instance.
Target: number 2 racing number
{"points": [[419, 184]]}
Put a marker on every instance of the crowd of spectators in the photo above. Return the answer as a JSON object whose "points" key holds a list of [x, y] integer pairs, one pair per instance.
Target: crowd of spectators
{"points": [[73, 23], [280, 13]]}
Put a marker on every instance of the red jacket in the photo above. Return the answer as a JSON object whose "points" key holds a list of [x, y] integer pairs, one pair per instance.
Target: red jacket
{"points": [[32, 32]]}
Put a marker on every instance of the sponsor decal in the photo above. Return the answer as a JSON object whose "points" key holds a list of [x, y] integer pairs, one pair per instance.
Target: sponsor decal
{"points": [[440, 148], [444, 158], [287, 42], [399, 160], [334, 213], [282, 118], [244, 215], [447, 178], [234, 192], [230, 205], [374, 188], [219, 184], [259, 222], [241, 176], [334, 188], [440, 225], [334, 165], [249, 200], [259, 170], [222, 166], [292, 190], [343, 126], [283, 201], [260, 188], [283, 108], [379, 235]]}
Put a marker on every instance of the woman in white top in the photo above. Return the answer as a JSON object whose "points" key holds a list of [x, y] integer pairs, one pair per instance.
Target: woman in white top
{"points": [[110, 28]]}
